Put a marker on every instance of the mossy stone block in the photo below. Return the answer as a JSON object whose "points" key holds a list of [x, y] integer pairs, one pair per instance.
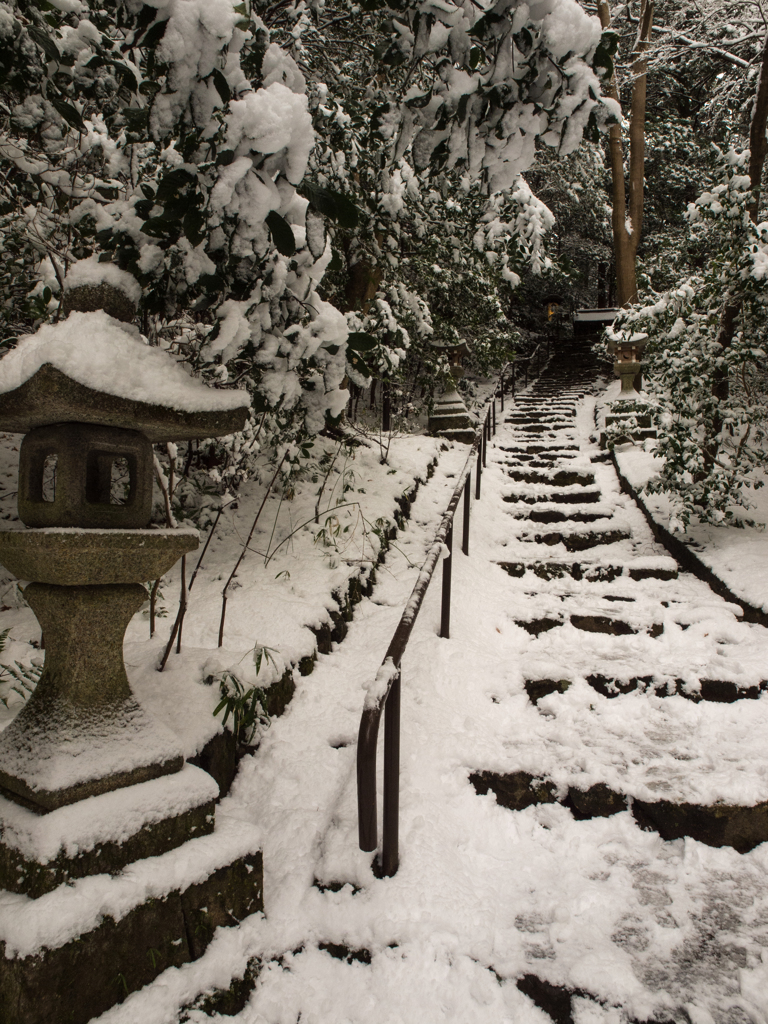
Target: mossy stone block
{"points": [[85, 977]]}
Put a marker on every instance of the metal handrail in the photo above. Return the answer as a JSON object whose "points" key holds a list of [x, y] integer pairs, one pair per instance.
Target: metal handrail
{"points": [[384, 695]]}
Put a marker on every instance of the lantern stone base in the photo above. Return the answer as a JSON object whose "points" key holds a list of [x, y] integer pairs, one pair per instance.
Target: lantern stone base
{"points": [[104, 833], [111, 935], [451, 419]]}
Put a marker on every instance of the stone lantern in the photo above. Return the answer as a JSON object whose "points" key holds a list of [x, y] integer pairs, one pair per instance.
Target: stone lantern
{"points": [[91, 398], [628, 365], [450, 417]]}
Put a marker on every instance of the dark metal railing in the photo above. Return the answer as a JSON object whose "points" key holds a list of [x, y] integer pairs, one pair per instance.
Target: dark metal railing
{"points": [[384, 696]]}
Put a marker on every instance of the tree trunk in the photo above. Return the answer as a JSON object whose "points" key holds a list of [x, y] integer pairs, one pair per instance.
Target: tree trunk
{"points": [[627, 218]]}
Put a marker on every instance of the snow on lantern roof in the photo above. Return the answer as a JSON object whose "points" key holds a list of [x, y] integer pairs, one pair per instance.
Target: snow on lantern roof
{"points": [[90, 368]]}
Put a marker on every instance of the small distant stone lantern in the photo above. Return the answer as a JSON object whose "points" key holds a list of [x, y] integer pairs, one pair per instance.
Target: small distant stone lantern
{"points": [[628, 365], [91, 397], [450, 417]]}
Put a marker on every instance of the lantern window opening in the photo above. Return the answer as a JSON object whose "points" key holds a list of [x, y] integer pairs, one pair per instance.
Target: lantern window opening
{"points": [[110, 479], [48, 478]]}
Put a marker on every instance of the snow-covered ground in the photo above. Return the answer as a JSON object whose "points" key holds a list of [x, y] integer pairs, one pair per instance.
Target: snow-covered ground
{"points": [[636, 926], [737, 556]]}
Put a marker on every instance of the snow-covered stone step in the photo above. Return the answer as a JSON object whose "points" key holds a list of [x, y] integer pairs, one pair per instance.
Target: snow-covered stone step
{"points": [[660, 568], [525, 418], [556, 515], [579, 540], [566, 451], [590, 622], [577, 495], [682, 768], [720, 691], [538, 427], [740, 827], [560, 478]]}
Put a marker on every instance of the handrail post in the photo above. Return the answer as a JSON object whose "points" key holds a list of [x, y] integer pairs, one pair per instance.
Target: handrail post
{"points": [[502, 392], [386, 407], [366, 780], [479, 471], [465, 523], [485, 441], [390, 856], [493, 419], [445, 607]]}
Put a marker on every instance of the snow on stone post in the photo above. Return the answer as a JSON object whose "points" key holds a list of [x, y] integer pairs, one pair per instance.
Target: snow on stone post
{"points": [[89, 782]]}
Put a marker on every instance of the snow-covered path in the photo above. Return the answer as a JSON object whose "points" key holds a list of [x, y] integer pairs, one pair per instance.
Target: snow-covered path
{"points": [[559, 693]]}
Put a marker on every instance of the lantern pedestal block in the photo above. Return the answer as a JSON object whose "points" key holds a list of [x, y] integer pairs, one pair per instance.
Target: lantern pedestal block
{"points": [[451, 419], [112, 934], [102, 834]]}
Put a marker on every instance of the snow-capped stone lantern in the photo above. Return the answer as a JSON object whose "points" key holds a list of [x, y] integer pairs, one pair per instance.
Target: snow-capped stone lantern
{"points": [[628, 365], [90, 783], [91, 398], [450, 417]]}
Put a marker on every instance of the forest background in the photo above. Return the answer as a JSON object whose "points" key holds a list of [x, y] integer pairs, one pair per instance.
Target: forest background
{"points": [[314, 197]]}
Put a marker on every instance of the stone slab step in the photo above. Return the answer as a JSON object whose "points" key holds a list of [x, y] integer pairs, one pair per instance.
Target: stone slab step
{"points": [[578, 540], [562, 478], [719, 691], [556, 452], [542, 428], [561, 497], [591, 572], [607, 624], [553, 515], [740, 827]]}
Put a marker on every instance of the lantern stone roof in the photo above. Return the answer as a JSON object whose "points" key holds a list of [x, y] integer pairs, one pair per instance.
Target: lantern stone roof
{"points": [[91, 368]]}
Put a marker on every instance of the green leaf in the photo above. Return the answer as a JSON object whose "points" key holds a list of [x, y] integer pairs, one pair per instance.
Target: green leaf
{"points": [[153, 35], [222, 86], [70, 114], [359, 341], [136, 120], [417, 102], [282, 233], [333, 205], [482, 27], [126, 74], [46, 44], [359, 364], [194, 227]]}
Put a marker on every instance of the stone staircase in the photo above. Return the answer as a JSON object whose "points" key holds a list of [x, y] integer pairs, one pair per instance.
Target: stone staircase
{"points": [[647, 684]]}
